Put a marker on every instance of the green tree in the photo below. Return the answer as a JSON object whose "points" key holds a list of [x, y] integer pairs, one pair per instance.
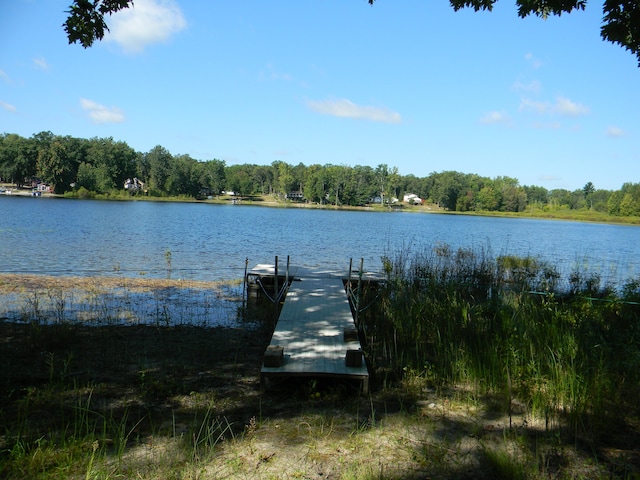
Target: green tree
{"points": [[158, 161], [613, 205], [514, 197], [588, 191], [18, 158], [183, 177], [394, 182], [629, 206], [539, 195], [488, 198], [448, 187], [283, 178], [239, 180], [113, 162], [337, 178], [383, 177], [212, 176], [362, 184], [90, 177], [629, 203], [54, 166], [299, 174], [599, 199], [561, 197], [316, 183], [263, 176], [86, 24]]}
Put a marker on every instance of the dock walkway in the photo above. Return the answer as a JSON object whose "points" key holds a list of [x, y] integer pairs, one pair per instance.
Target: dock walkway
{"points": [[315, 331]]}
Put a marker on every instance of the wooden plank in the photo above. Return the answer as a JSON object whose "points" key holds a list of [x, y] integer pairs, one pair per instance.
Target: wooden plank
{"points": [[311, 328]]}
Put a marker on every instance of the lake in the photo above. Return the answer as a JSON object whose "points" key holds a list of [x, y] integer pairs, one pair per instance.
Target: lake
{"points": [[201, 241]]}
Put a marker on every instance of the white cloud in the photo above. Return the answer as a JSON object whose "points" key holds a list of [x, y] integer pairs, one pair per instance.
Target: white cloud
{"points": [[8, 107], [547, 125], [535, 63], [4, 76], [146, 23], [101, 114], [615, 132], [347, 109], [272, 74], [562, 106], [535, 106], [495, 117], [533, 86], [40, 62]]}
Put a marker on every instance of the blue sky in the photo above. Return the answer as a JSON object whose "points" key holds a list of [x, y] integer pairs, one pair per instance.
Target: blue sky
{"points": [[407, 83]]}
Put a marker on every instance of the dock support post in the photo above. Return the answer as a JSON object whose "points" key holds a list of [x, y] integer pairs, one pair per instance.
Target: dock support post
{"points": [[245, 289], [275, 291], [358, 291], [286, 277]]}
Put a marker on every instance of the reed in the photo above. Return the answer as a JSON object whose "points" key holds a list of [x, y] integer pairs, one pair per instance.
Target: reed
{"points": [[565, 348]]}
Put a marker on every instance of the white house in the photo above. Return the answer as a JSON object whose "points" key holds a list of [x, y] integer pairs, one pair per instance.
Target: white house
{"points": [[412, 199], [133, 185]]}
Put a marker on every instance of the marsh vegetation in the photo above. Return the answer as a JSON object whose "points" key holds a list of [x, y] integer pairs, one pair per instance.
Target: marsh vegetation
{"points": [[482, 367]]}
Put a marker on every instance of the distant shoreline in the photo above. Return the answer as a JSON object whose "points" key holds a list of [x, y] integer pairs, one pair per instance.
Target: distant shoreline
{"points": [[561, 214]]}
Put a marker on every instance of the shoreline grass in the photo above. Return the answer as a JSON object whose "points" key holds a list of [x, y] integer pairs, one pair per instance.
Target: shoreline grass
{"points": [[472, 377], [533, 212]]}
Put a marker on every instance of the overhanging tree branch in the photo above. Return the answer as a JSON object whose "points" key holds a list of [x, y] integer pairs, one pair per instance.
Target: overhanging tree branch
{"points": [[85, 23], [620, 22]]}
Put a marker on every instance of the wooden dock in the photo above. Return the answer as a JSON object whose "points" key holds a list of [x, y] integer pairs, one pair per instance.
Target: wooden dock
{"points": [[315, 335]]}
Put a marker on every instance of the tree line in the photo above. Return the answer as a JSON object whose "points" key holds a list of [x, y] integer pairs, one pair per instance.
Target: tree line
{"points": [[101, 166]]}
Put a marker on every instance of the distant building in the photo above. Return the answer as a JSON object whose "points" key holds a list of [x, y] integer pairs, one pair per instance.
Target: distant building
{"points": [[133, 185], [378, 199], [294, 196], [412, 199]]}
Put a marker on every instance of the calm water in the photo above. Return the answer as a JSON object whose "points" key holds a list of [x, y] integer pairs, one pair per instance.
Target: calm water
{"points": [[210, 242]]}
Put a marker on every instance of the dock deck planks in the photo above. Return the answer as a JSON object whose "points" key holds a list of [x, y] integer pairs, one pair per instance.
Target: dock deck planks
{"points": [[311, 330]]}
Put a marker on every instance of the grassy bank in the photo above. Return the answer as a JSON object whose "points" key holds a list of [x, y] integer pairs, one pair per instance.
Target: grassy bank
{"points": [[546, 212], [567, 214], [481, 368]]}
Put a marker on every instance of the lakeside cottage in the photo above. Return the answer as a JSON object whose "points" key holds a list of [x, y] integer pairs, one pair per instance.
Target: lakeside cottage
{"points": [[412, 199], [133, 185], [295, 196]]}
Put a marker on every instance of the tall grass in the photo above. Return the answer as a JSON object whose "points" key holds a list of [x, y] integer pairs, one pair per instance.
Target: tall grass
{"points": [[96, 443], [509, 326]]}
